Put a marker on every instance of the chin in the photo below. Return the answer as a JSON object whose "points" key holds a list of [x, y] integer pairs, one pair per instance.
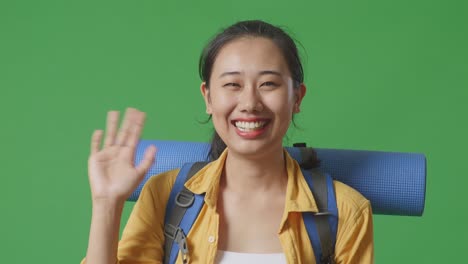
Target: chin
{"points": [[251, 149]]}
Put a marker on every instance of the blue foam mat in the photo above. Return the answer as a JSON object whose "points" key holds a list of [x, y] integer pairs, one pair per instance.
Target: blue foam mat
{"points": [[394, 182]]}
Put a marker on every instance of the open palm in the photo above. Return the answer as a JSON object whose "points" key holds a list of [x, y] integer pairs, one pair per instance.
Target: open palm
{"points": [[111, 169]]}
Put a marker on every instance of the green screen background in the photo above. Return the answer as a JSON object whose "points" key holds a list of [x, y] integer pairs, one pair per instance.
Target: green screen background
{"points": [[381, 75]]}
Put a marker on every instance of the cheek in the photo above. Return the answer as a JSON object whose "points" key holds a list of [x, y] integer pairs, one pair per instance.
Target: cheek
{"points": [[221, 102], [280, 104]]}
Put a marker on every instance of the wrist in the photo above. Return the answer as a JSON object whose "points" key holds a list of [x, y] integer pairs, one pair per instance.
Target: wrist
{"points": [[108, 204]]}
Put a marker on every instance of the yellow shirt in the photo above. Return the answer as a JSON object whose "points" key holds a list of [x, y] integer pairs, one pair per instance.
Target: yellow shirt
{"points": [[143, 237]]}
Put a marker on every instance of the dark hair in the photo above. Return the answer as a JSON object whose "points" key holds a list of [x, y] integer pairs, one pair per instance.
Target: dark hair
{"points": [[249, 28]]}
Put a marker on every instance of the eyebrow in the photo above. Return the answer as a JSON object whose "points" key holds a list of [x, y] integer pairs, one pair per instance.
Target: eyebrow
{"points": [[238, 73]]}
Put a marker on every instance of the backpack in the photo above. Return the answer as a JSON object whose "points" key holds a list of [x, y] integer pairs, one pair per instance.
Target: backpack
{"points": [[184, 206]]}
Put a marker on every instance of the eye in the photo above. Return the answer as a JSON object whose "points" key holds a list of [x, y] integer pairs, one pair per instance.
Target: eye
{"points": [[231, 84], [269, 84]]}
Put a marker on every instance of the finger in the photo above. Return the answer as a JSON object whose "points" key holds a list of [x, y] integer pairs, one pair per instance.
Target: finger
{"points": [[96, 141], [111, 128], [125, 128], [136, 127], [147, 161]]}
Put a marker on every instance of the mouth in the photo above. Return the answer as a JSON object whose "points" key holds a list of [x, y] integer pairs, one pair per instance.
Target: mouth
{"points": [[251, 128], [247, 126]]}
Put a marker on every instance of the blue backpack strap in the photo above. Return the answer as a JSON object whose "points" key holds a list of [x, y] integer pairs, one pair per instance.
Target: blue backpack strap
{"points": [[322, 226], [182, 210]]}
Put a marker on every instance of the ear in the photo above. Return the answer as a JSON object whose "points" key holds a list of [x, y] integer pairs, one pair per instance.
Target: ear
{"points": [[205, 91], [299, 95]]}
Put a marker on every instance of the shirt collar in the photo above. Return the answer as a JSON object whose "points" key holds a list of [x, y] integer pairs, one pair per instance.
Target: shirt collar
{"points": [[299, 197], [207, 179], [298, 194]]}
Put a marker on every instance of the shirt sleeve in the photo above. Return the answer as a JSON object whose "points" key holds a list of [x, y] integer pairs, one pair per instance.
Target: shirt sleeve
{"points": [[142, 239], [355, 238]]}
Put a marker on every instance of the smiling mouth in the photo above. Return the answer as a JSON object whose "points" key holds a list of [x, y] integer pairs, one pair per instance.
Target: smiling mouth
{"points": [[250, 126]]}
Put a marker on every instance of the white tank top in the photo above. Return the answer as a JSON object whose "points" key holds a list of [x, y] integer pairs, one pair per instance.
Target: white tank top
{"points": [[228, 257]]}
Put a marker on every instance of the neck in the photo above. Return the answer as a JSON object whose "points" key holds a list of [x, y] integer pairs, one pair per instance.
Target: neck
{"points": [[253, 174]]}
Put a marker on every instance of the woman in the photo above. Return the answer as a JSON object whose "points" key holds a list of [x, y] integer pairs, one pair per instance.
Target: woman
{"points": [[252, 84]]}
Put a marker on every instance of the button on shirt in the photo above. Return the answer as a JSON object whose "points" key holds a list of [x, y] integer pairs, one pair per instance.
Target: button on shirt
{"points": [[143, 237]]}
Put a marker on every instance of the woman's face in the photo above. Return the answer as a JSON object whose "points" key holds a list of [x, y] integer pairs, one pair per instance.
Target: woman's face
{"points": [[251, 96]]}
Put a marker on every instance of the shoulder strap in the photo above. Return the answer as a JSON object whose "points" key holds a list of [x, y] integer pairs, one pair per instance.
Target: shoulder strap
{"points": [[322, 226], [182, 210], [184, 206]]}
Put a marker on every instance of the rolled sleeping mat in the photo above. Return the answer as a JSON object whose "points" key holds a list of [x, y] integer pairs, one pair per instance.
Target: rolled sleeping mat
{"points": [[394, 182]]}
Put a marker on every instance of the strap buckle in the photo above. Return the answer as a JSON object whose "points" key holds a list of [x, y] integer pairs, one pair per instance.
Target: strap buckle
{"points": [[171, 231], [184, 199], [177, 235]]}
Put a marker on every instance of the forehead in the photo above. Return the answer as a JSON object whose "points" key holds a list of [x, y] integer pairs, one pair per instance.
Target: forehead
{"points": [[250, 55]]}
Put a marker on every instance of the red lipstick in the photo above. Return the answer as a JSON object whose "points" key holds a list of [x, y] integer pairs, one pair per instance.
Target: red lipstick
{"points": [[249, 132]]}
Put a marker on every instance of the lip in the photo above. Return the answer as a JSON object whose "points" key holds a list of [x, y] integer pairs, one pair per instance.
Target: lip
{"points": [[251, 134], [250, 119]]}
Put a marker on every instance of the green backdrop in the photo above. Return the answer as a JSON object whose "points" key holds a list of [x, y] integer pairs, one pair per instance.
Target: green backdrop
{"points": [[382, 75]]}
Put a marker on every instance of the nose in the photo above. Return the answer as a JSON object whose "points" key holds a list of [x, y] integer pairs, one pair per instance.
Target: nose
{"points": [[250, 100]]}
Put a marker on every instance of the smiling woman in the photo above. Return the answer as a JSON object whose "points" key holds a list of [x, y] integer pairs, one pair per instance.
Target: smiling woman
{"points": [[254, 192], [251, 97]]}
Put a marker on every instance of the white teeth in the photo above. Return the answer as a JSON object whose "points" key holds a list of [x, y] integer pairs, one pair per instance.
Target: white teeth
{"points": [[249, 126]]}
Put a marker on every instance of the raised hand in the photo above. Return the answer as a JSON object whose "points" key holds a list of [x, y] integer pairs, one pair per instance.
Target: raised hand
{"points": [[111, 170]]}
